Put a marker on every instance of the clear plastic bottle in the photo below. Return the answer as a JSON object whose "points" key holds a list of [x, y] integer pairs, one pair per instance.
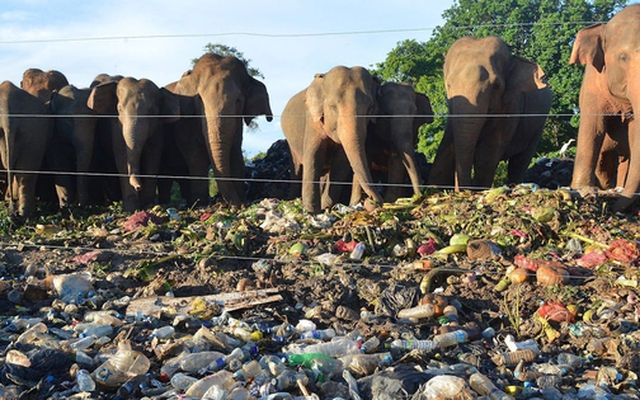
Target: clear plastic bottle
{"points": [[451, 313], [248, 371], [326, 368], [550, 369], [289, 379], [530, 344], [123, 365], [445, 387], [82, 343], [84, 381], [485, 387], [335, 348], [182, 381], [163, 332], [511, 358], [236, 355], [571, 361], [450, 339], [358, 252], [322, 334], [305, 325], [366, 364], [223, 379], [130, 388], [420, 311], [273, 364], [194, 362], [370, 345], [425, 345], [34, 332]]}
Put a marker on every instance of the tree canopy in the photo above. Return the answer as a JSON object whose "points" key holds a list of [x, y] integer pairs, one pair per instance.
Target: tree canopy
{"points": [[542, 31], [224, 50]]}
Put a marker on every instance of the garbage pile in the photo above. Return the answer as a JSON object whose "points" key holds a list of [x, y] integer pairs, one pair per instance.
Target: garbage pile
{"points": [[517, 292]]}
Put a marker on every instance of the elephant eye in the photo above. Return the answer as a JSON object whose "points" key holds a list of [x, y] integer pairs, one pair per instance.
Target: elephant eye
{"points": [[623, 57]]}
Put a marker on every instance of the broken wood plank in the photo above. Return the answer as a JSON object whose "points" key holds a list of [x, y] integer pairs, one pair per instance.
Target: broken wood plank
{"points": [[156, 305]]}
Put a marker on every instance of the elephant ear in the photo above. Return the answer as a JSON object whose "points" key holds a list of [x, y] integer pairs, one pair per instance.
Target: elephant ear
{"points": [[424, 111], [257, 102], [588, 47], [314, 98], [525, 76], [103, 98], [170, 107]]}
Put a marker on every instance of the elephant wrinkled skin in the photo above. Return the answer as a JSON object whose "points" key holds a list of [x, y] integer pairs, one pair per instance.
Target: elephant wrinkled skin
{"points": [[137, 141], [483, 78], [326, 128], [23, 143], [221, 91], [609, 95]]}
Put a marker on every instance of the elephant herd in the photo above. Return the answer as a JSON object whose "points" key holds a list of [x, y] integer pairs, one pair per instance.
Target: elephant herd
{"points": [[338, 128]]}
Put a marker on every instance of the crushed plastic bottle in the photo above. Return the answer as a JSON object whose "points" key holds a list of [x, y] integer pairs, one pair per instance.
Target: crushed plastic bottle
{"points": [[335, 348], [182, 381], [164, 332], [485, 387], [530, 344], [370, 345], [196, 362], [450, 339], [288, 379], [511, 358], [366, 364], [84, 381], [425, 345], [223, 379], [445, 387], [322, 334], [123, 365]]}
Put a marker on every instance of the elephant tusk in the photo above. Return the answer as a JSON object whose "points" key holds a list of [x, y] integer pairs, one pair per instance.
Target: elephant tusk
{"points": [[135, 183]]}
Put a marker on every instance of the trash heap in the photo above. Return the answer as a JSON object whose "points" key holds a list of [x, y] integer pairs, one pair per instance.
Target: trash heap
{"points": [[517, 292]]}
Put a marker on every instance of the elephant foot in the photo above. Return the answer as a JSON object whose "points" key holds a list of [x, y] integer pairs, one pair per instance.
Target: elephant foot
{"points": [[623, 203]]}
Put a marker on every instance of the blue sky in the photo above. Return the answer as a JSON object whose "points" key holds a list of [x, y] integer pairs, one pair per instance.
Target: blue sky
{"points": [[30, 29]]}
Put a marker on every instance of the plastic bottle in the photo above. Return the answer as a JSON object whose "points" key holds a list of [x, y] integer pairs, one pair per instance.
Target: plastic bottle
{"points": [[444, 387], [163, 332], [305, 325], [273, 364], [357, 252], [194, 362], [420, 311], [530, 344], [94, 330], [325, 368], [451, 313], [450, 339], [511, 358], [549, 380], [288, 379], [483, 386], [321, 334], [222, 378], [425, 345], [130, 388], [82, 343], [571, 361], [365, 364], [182, 381], [221, 362], [248, 371], [305, 359], [84, 381], [83, 360], [370, 345], [123, 365], [335, 347], [36, 331], [550, 369]]}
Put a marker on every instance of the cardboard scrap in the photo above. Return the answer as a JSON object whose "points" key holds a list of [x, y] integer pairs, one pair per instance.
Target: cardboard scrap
{"points": [[156, 305]]}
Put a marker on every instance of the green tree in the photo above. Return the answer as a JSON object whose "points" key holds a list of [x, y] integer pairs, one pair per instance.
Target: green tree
{"points": [[224, 50], [540, 30]]}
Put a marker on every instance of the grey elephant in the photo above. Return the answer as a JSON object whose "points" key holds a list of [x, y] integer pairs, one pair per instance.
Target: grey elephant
{"points": [[23, 144], [141, 108], [218, 94], [326, 128], [498, 105], [607, 102], [393, 136], [42, 84]]}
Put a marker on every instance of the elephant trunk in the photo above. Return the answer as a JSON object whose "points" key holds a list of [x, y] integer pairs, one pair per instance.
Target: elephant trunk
{"points": [[466, 130], [406, 150], [632, 184], [352, 132], [135, 131]]}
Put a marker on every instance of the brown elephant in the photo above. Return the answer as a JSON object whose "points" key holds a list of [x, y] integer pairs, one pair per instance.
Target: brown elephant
{"points": [[392, 138], [42, 84], [23, 143], [221, 94], [137, 142], [489, 92], [608, 98], [326, 128]]}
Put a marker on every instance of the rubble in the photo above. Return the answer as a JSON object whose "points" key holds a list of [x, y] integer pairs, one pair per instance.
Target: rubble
{"points": [[419, 299]]}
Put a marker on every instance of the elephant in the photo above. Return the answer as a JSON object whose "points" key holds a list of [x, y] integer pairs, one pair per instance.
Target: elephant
{"points": [[23, 143], [326, 128], [42, 84], [220, 94], [498, 104], [137, 142], [607, 102], [392, 138]]}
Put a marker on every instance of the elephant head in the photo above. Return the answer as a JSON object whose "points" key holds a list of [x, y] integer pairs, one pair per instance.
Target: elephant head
{"points": [[338, 106], [609, 95], [42, 84], [392, 138], [140, 106], [483, 78], [226, 95]]}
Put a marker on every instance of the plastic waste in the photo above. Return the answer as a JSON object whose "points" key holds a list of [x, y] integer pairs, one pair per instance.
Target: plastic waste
{"points": [[485, 387], [511, 358], [38, 330], [530, 344], [305, 359], [130, 388], [248, 371], [289, 379], [321, 334], [84, 381], [223, 379], [274, 364], [182, 381], [425, 345], [123, 365], [305, 325], [420, 311], [450, 339], [358, 252], [325, 367], [370, 345], [68, 286], [82, 343], [195, 362], [572, 361], [92, 329], [335, 347], [366, 364], [236, 355], [444, 387], [163, 332]]}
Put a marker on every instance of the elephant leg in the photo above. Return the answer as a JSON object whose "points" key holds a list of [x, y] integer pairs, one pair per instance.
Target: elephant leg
{"points": [[151, 159], [494, 139], [129, 195], [313, 164], [397, 165], [26, 194], [295, 187], [443, 169], [334, 186], [237, 168], [605, 169]]}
